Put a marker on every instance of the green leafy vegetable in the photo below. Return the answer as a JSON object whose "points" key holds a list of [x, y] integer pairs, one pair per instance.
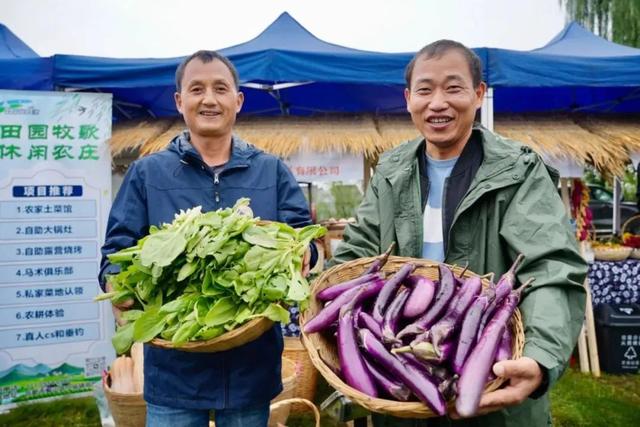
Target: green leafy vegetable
{"points": [[208, 273]]}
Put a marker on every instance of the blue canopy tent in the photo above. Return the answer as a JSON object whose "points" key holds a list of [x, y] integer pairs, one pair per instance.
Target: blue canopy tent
{"points": [[284, 70], [576, 71], [20, 66]]}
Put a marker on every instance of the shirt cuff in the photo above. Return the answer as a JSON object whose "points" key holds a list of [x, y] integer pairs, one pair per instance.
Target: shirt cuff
{"points": [[102, 277]]}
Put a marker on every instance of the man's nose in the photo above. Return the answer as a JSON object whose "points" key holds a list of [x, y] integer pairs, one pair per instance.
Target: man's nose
{"points": [[210, 97], [438, 101]]}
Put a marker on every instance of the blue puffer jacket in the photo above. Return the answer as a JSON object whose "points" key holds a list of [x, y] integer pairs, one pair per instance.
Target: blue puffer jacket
{"points": [[154, 189]]}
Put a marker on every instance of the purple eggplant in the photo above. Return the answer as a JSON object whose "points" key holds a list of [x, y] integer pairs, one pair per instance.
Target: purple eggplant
{"points": [[422, 293], [392, 316], [478, 366], [334, 291], [381, 260], [468, 330], [352, 366], [449, 387], [446, 290], [437, 373], [502, 289], [366, 321], [389, 289], [392, 388], [422, 386], [427, 352], [329, 314], [505, 348], [454, 316]]}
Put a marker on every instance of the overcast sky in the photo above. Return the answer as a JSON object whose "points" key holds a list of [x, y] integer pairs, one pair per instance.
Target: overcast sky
{"points": [[165, 28]]}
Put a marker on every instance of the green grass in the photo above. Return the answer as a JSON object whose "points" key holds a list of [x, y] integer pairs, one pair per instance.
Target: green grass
{"points": [[581, 400], [76, 412], [577, 400]]}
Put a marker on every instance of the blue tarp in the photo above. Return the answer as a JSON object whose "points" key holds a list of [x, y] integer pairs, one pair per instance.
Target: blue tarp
{"points": [[576, 71], [12, 47], [20, 66], [333, 78]]}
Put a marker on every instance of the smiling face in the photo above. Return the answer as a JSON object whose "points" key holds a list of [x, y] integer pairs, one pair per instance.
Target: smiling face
{"points": [[442, 101], [208, 99]]}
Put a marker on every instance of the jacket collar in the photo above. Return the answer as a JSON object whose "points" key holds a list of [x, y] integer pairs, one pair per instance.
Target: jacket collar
{"points": [[241, 151], [499, 155]]}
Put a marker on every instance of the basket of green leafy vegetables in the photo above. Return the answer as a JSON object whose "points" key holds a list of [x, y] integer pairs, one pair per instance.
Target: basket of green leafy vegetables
{"points": [[209, 281]]}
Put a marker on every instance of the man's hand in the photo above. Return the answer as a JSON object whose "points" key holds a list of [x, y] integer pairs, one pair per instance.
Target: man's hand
{"points": [[523, 378], [119, 308], [305, 262]]}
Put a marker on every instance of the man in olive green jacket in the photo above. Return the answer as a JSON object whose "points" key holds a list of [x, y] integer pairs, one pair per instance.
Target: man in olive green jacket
{"points": [[500, 200]]}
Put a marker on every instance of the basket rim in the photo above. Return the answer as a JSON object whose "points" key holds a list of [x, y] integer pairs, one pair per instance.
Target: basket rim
{"points": [[393, 407], [230, 339]]}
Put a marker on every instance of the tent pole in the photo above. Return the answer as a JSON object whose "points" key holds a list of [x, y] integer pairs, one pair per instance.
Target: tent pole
{"points": [[486, 111], [617, 197]]}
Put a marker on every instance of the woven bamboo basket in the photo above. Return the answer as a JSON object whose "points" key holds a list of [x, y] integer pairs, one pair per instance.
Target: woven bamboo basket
{"points": [[306, 373], [612, 254], [280, 414], [308, 405], [322, 349], [127, 409], [246, 333]]}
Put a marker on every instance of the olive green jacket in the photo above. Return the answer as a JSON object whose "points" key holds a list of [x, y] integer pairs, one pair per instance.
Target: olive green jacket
{"points": [[512, 206]]}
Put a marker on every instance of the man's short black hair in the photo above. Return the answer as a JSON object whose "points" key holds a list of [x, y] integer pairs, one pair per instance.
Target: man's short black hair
{"points": [[206, 56], [439, 48]]}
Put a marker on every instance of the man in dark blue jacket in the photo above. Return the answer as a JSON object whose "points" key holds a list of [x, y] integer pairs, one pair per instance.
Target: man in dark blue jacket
{"points": [[206, 166]]}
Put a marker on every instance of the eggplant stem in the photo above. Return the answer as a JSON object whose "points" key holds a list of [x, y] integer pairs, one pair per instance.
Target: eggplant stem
{"points": [[489, 276], [400, 350], [516, 263], [464, 270], [389, 250], [525, 285]]}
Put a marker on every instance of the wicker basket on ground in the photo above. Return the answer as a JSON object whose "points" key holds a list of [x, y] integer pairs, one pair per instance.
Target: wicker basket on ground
{"points": [[306, 373], [127, 409], [322, 349]]}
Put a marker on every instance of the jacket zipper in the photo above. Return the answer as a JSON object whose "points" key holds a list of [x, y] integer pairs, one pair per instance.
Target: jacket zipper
{"points": [[459, 212], [216, 181], [445, 239]]}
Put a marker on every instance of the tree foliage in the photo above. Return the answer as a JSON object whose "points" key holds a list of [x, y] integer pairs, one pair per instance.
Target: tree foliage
{"points": [[616, 20]]}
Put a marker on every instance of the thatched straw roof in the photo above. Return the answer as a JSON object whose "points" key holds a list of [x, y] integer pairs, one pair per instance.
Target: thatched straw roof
{"points": [[623, 131], [130, 136], [604, 143], [563, 138], [281, 136]]}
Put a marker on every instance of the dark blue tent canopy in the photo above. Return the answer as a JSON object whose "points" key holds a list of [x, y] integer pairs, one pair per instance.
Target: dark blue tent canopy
{"points": [[576, 71], [20, 66], [12, 47], [284, 69]]}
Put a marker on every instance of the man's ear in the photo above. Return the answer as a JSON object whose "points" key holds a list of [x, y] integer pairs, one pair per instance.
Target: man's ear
{"points": [[239, 102], [481, 90], [178, 99], [407, 96]]}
